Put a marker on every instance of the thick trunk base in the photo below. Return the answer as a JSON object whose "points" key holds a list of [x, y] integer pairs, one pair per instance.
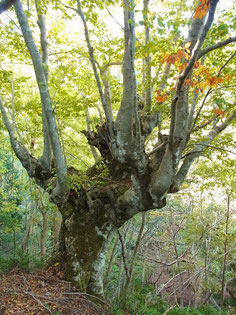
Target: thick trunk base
{"points": [[84, 236]]}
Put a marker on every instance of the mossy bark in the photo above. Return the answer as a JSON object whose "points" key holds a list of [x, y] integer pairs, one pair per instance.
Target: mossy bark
{"points": [[86, 228]]}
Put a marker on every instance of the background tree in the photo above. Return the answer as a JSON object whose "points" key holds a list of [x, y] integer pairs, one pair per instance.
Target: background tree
{"points": [[147, 144]]}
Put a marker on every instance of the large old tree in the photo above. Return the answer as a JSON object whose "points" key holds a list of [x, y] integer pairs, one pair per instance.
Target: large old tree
{"points": [[176, 96]]}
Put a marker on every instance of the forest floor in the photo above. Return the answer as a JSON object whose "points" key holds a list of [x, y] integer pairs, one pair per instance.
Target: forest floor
{"points": [[43, 292]]}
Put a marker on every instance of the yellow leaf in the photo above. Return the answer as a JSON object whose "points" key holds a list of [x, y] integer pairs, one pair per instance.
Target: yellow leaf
{"points": [[187, 45]]}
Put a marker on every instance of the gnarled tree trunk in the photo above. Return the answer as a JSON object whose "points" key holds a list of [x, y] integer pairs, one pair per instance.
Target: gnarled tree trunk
{"points": [[137, 181]]}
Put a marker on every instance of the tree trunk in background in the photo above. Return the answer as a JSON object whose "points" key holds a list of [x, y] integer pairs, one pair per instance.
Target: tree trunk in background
{"points": [[25, 242], [110, 261], [56, 224], [224, 268], [44, 231], [136, 249]]}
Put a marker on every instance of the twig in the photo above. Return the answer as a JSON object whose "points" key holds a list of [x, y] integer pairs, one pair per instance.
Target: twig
{"points": [[87, 294], [44, 306], [169, 309], [114, 18], [34, 296], [206, 145], [209, 91]]}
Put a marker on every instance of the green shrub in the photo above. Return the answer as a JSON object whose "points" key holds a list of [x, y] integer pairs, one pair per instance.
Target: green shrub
{"points": [[203, 310], [20, 260]]}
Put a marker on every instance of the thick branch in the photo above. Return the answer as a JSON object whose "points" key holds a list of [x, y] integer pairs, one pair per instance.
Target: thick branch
{"points": [[216, 46], [179, 106], [45, 98], [147, 60], [45, 159], [20, 150], [107, 89], [198, 45], [128, 109], [5, 5], [93, 149]]}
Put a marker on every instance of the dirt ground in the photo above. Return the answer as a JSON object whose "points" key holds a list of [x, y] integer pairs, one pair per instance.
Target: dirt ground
{"points": [[43, 292]]}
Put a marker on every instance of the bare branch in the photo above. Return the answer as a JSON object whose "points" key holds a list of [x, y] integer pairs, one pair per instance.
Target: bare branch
{"points": [[209, 146], [111, 15]]}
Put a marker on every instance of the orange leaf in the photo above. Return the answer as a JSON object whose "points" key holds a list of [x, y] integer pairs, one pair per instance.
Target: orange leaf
{"points": [[196, 65], [219, 112], [183, 66], [180, 54], [188, 82], [171, 59], [227, 77], [213, 81]]}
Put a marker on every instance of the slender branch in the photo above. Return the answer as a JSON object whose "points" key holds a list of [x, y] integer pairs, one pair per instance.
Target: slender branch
{"points": [[206, 123], [200, 109], [228, 60], [11, 19], [111, 15], [216, 46], [162, 145], [13, 112], [206, 145], [134, 254], [113, 63], [209, 92], [196, 152], [93, 63]]}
